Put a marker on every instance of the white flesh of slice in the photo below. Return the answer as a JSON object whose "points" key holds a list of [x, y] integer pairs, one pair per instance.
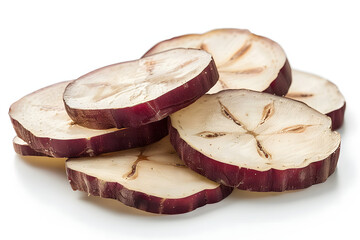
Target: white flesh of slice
{"points": [[43, 114], [315, 91], [131, 83], [155, 170], [243, 59], [275, 132], [19, 141]]}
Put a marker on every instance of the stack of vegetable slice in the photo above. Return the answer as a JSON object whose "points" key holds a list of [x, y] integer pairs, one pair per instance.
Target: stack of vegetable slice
{"points": [[215, 93]]}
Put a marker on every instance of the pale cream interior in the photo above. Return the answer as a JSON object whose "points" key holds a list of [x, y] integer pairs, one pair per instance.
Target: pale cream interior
{"points": [[244, 60], [131, 83], [315, 91], [163, 174], [292, 133], [19, 141], [44, 115]]}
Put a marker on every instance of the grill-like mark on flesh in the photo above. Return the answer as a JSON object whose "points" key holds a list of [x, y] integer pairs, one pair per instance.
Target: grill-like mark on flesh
{"points": [[237, 55], [225, 111], [209, 134], [244, 71], [267, 113], [261, 150], [134, 168], [134, 172], [295, 129], [299, 95], [251, 70]]}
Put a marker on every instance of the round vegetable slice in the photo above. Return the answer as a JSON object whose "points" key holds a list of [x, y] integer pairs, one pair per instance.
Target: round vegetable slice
{"points": [[318, 93], [153, 179], [243, 59], [139, 92], [256, 141], [41, 121]]}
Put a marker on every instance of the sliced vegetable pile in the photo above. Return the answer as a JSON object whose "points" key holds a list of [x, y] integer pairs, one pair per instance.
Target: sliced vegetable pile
{"points": [[215, 93]]}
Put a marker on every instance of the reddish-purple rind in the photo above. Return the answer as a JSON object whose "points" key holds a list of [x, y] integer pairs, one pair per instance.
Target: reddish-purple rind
{"points": [[337, 117], [272, 180], [150, 111], [26, 150], [281, 84], [114, 190], [83, 147]]}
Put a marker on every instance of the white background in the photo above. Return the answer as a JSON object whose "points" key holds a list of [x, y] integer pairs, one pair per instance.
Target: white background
{"points": [[42, 42]]}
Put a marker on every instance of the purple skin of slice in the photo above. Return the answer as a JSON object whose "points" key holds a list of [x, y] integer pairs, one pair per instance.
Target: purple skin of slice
{"points": [[150, 111], [279, 86], [82, 147], [282, 82], [337, 117], [26, 150], [272, 180], [96, 187]]}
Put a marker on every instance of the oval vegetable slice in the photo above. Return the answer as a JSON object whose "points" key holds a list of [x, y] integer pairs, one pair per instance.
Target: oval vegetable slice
{"points": [[131, 94], [152, 179], [41, 121], [243, 59], [320, 94], [255, 141]]}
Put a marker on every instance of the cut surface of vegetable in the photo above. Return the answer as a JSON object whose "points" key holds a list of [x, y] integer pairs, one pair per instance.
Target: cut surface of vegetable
{"points": [[153, 179], [139, 92], [243, 59], [22, 148], [320, 94], [255, 141], [40, 119]]}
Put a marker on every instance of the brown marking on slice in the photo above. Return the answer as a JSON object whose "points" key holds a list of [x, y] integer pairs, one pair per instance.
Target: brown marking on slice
{"points": [[150, 65], [241, 51], [225, 111], [251, 70], [179, 165], [208, 134], [244, 71], [134, 168], [238, 54], [267, 113], [223, 84], [261, 150], [299, 95], [204, 47], [133, 173], [299, 128]]}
